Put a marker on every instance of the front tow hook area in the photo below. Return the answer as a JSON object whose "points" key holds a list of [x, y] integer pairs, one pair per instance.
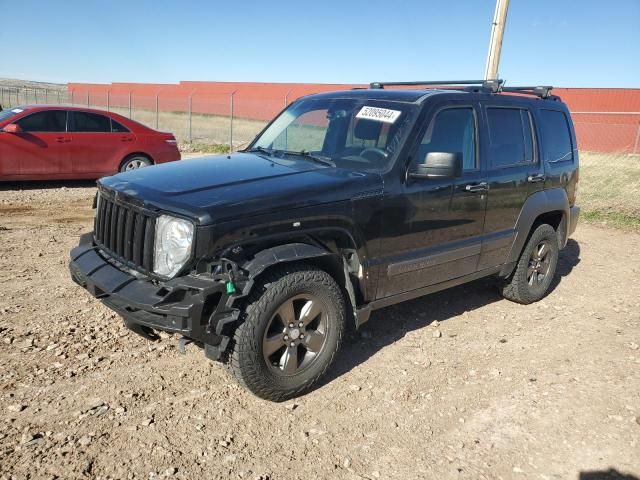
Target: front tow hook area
{"points": [[146, 332]]}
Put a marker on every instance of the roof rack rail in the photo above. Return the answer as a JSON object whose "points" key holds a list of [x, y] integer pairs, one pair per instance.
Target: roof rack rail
{"points": [[542, 91], [491, 85]]}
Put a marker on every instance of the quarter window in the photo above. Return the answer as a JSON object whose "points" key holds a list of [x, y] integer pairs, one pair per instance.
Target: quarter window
{"points": [[118, 127], [453, 130], [510, 137], [91, 122], [556, 139], [47, 121]]}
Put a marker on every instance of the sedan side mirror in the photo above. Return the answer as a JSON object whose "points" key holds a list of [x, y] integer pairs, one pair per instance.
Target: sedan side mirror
{"points": [[439, 165], [12, 128]]}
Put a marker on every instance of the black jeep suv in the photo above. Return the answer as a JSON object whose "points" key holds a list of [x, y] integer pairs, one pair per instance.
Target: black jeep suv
{"points": [[345, 203]]}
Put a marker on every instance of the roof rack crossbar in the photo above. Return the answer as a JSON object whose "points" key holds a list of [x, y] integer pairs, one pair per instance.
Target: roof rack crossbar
{"points": [[493, 85], [542, 91]]}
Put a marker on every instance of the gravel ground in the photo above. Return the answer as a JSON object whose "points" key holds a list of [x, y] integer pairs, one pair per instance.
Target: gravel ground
{"points": [[460, 384]]}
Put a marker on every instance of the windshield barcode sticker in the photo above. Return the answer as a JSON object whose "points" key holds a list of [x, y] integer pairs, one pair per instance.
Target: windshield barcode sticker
{"points": [[380, 114]]}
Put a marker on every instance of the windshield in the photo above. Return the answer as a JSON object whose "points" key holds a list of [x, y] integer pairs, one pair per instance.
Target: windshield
{"points": [[6, 114], [358, 134]]}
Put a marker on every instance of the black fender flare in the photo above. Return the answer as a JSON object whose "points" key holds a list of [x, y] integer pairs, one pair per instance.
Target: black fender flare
{"points": [[288, 252], [539, 203], [292, 252]]}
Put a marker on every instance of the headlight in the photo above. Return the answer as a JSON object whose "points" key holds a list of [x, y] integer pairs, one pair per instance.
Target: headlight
{"points": [[174, 240]]}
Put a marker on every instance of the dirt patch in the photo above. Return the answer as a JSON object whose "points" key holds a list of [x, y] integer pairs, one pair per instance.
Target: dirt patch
{"points": [[460, 384]]}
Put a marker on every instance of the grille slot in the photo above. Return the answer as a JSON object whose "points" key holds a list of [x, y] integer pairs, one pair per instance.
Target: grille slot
{"points": [[125, 232]]}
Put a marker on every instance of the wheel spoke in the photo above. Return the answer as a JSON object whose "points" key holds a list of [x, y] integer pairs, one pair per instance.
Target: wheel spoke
{"points": [[272, 344], [289, 360], [530, 271], [286, 313], [314, 340], [310, 312], [542, 250]]}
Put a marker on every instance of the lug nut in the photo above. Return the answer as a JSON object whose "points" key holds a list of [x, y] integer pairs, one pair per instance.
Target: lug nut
{"points": [[286, 337], [291, 325], [301, 324], [302, 335], [293, 344]]}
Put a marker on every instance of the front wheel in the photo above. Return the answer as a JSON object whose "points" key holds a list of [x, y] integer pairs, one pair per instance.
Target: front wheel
{"points": [[293, 326], [535, 269]]}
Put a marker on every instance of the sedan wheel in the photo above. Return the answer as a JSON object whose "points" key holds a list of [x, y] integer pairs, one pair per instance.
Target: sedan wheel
{"points": [[134, 163]]}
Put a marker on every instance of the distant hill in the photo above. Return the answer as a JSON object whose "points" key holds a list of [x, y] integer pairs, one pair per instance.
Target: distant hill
{"points": [[12, 82]]}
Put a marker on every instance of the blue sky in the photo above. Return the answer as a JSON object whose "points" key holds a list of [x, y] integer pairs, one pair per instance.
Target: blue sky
{"points": [[578, 43]]}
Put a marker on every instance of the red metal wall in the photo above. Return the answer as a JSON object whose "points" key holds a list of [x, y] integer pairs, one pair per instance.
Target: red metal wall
{"points": [[595, 132]]}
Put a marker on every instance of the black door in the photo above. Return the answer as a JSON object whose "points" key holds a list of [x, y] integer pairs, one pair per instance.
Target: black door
{"points": [[514, 173], [434, 226]]}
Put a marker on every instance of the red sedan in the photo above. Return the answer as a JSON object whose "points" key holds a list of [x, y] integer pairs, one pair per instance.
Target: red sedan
{"points": [[56, 142]]}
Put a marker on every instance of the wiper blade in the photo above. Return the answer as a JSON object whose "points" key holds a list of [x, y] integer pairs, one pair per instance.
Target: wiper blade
{"points": [[262, 150], [316, 158]]}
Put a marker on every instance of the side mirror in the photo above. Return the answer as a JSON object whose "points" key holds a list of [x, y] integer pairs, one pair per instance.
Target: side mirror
{"points": [[439, 165], [12, 128]]}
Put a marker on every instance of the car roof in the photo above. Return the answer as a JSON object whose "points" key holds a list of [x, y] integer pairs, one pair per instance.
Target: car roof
{"points": [[419, 96], [59, 107], [396, 95]]}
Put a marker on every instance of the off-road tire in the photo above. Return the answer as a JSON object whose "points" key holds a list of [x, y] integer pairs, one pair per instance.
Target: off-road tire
{"points": [[517, 287], [134, 162], [247, 362]]}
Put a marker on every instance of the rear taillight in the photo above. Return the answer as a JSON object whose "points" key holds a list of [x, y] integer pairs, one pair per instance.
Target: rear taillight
{"points": [[171, 141]]}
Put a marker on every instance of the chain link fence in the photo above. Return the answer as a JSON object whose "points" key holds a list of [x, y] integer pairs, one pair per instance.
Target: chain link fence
{"points": [[199, 119], [227, 120]]}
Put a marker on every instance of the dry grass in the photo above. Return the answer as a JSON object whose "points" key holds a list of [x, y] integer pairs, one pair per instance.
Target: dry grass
{"points": [[609, 189]]}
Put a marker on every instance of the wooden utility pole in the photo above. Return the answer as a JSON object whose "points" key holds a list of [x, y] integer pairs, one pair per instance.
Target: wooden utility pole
{"points": [[495, 43]]}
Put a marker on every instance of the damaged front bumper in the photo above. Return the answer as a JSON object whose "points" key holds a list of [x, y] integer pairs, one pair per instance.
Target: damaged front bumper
{"points": [[198, 308]]}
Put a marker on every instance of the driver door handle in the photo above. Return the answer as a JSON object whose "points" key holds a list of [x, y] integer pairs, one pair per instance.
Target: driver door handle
{"points": [[477, 187], [540, 177]]}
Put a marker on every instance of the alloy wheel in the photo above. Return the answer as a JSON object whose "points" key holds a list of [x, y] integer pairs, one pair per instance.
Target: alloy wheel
{"points": [[295, 334], [539, 263]]}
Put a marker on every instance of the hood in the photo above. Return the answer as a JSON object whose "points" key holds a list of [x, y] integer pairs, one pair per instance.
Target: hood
{"points": [[224, 187]]}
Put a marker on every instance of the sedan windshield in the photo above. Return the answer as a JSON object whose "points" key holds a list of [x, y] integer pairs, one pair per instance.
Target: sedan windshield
{"points": [[358, 134]]}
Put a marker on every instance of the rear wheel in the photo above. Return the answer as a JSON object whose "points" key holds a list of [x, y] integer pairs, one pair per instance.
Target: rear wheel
{"points": [[535, 269], [293, 327], [134, 162]]}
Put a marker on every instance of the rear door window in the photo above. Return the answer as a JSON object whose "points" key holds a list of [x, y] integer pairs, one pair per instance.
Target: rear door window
{"points": [[46, 121], [90, 122], [556, 137], [510, 136]]}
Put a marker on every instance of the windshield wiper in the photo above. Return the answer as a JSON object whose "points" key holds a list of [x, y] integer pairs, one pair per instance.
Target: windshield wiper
{"points": [[316, 158], [262, 150]]}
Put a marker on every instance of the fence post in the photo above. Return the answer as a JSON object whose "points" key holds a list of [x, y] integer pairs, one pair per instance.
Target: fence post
{"points": [[635, 146], [72, 93], [190, 137], [58, 94], [2, 97], [129, 103], [286, 97], [231, 124], [108, 100], [88, 101], [157, 111], [35, 95]]}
